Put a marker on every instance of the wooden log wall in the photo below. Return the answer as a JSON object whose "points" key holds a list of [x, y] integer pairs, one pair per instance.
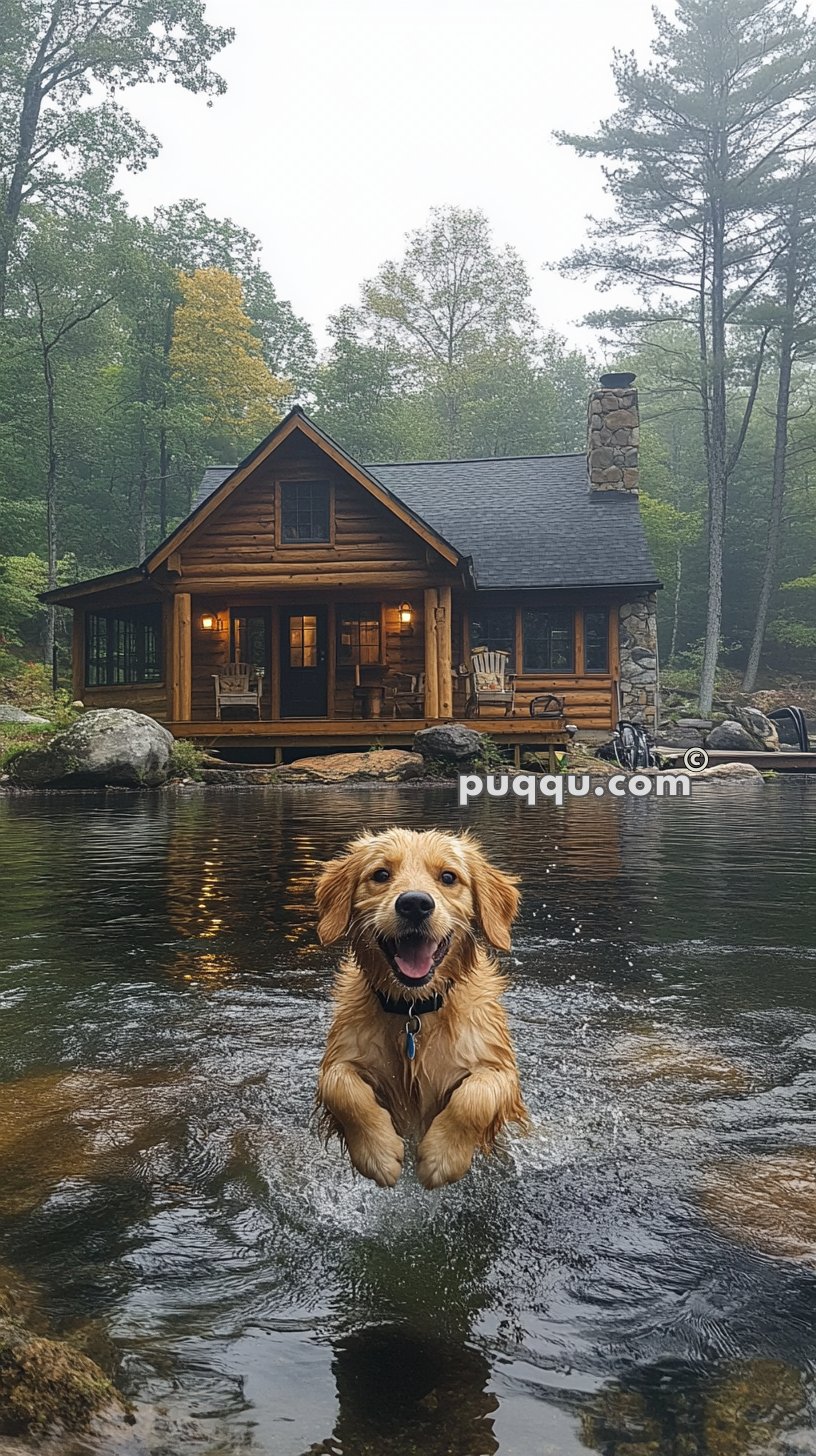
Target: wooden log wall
{"points": [[238, 548]]}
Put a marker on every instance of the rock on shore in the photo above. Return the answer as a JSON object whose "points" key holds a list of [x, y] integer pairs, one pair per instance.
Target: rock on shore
{"points": [[107, 746]]}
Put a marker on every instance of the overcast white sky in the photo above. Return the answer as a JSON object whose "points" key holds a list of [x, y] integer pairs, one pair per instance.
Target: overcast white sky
{"points": [[345, 121]]}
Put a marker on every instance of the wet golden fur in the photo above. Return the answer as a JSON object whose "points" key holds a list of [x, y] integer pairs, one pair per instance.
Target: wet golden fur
{"points": [[463, 1086]]}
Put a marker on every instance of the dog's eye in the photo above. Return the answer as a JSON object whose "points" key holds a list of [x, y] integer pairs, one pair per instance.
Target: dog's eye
{"points": [[448, 877], [381, 876]]}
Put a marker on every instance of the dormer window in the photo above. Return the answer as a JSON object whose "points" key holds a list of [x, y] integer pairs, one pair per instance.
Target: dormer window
{"points": [[305, 511]]}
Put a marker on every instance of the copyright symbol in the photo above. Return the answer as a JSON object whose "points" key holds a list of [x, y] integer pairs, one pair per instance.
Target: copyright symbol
{"points": [[695, 760]]}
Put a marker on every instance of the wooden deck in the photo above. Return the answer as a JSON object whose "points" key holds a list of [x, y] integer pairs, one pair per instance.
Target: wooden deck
{"points": [[787, 761], [313, 733]]}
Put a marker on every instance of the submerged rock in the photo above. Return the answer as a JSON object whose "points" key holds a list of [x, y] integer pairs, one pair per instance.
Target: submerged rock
{"points": [[448, 742], [107, 746], [741, 1410], [768, 1202], [46, 1383], [654, 1056]]}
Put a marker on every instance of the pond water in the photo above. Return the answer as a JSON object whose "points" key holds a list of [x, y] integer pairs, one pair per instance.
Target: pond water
{"points": [[638, 1275]]}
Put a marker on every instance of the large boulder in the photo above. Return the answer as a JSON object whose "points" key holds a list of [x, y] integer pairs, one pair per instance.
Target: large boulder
{"points": [[761, 729], [731, 735], [108, 746], [448, 743], [384, 765]]}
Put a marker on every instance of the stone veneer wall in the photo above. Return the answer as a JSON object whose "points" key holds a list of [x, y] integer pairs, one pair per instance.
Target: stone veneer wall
{"points": [[638, 660], [613, 437]]}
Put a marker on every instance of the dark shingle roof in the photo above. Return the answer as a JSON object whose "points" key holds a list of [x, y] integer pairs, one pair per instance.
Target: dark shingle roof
{"points": [[526, 522]]}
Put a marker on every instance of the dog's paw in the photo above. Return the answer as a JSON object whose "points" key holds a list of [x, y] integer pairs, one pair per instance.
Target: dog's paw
{"points": [[381, 1160], [442, 1158]]}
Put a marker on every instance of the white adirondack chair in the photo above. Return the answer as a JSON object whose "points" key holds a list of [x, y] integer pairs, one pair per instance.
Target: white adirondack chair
{"points": [[239, 685], [492, 685]]}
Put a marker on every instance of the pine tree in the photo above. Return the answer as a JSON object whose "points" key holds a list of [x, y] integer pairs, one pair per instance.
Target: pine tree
{"points": [[696, 155]]}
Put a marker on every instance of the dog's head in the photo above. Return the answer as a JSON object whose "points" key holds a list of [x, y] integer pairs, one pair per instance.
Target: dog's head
{"points": [[413, 904]]}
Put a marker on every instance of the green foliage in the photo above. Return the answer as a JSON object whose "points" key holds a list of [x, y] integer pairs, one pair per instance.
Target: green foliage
{"points": [[186, 759], [490, 757], [444, 356], [789, 633]]}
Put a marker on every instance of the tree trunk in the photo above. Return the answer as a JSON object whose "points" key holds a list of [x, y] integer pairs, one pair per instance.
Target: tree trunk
{"points": [[50, 501], [141, 545], [676, 607], [716, 456], [26, 136], [780, 457], [164, 449]]}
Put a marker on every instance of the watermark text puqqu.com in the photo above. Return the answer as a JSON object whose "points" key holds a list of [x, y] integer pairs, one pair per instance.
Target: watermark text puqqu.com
{"points": [[555, 788]]}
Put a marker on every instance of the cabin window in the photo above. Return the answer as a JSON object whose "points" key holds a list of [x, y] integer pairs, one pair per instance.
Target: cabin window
{"points": [[304, 511], [596, 641], [494, 628], [549, 640], [123, 645], [358, 637], [250, 633]]}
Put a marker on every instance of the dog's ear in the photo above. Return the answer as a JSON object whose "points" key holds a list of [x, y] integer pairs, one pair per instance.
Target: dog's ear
{"points": [[495, 897], [334, 893]]}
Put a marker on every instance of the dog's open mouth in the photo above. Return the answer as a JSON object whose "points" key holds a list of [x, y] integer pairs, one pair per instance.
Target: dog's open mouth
{"points": [[414, 958]]}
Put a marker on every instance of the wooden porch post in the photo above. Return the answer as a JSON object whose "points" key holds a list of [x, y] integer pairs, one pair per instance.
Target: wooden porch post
{"points": [[181, 658], [78, 652], [431, 654], [445, 653]]}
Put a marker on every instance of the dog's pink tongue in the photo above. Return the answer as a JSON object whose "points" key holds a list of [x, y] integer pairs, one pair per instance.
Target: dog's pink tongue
{"points": [[415, 958]]}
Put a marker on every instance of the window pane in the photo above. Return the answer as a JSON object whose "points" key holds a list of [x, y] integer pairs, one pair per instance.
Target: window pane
{"points": [[303, 641], [548, 640], [304, 511], [249, 640], [123, 646], [358, 636], [596, 641], [493, 627]]}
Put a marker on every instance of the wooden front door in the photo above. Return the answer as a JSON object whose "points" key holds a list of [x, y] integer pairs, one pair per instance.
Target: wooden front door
{"points": [[304, 663]]}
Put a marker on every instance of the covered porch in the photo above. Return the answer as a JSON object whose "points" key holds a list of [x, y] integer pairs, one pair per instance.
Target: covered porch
{"points": [[317, 657]]}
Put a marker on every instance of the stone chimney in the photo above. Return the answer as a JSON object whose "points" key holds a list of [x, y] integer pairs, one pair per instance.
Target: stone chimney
{"points": [[613, 435]]}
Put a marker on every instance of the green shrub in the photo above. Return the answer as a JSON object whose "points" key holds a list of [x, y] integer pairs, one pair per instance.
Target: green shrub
{"points": [[186, 759]]}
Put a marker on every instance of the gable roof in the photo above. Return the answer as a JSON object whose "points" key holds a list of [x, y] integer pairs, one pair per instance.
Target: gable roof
{"points": [[528, 521], [298, 420]]}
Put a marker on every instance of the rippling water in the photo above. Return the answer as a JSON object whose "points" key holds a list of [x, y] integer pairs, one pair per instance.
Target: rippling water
{"points": [[637, 1276]]}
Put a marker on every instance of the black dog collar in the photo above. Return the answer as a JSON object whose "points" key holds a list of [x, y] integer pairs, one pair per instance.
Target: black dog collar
{"points": [[410, 1008]]}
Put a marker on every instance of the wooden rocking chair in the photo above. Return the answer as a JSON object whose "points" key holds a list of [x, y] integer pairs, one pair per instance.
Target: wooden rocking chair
{"points": [[239, 685], [492, 685]]}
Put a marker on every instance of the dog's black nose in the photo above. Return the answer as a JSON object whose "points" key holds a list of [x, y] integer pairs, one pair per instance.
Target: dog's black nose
{"points": [[414, 905]]}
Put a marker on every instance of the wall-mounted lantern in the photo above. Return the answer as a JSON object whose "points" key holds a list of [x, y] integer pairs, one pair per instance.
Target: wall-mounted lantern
{"points": [[406, 616], [211, 623]]}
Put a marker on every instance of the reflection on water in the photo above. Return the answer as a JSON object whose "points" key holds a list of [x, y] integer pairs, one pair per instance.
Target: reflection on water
{"points": [[636, 1276]]}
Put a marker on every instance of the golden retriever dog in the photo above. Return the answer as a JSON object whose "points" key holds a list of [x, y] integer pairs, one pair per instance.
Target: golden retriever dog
{"points": [[419, 1046]]}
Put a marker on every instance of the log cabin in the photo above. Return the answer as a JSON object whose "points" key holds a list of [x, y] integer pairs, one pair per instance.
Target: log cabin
{"points": [[358, 593]]}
